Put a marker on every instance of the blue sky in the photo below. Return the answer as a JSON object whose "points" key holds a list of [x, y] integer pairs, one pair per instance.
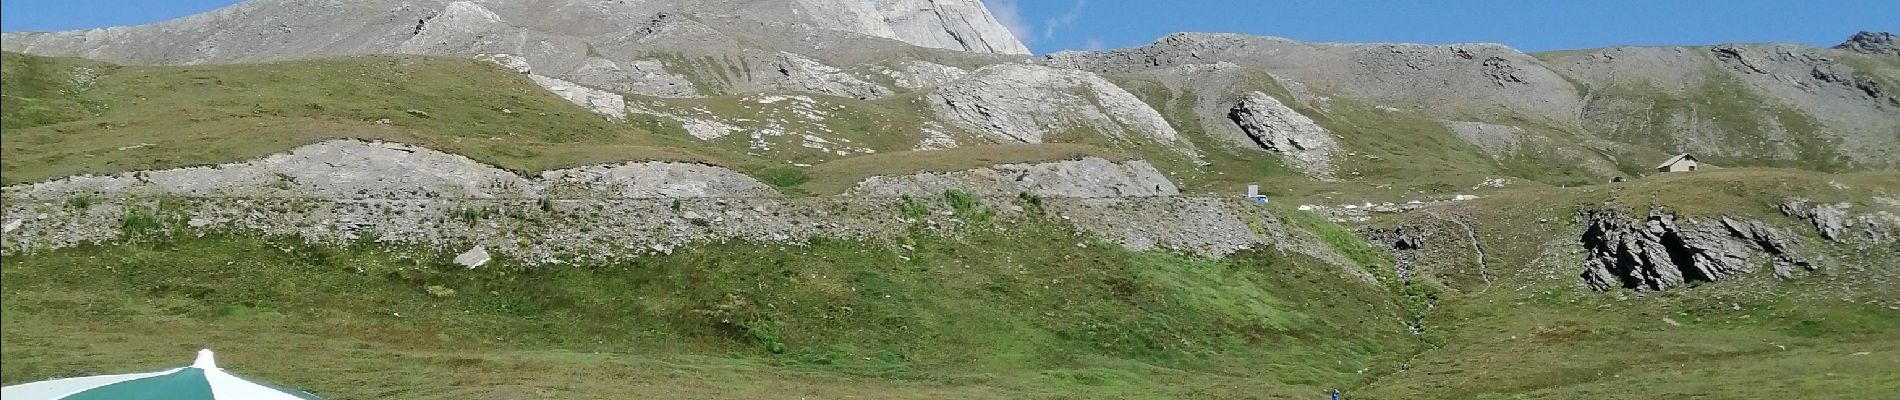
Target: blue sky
{"points": [[1050, 25]]}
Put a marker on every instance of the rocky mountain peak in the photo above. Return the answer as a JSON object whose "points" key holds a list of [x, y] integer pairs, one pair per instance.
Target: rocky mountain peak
{"points": [[1876, 43], [949, 24]]}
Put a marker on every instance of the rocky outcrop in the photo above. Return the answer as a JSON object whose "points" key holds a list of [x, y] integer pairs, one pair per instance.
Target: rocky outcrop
{"points": [[1275, 127], [636, 76], [844, 15], [608, 104], [697, 127], [949, 24], [803, 74], [1841, 223], [1875, 43], [916, 75], [1017, 103], [350, 190], [546, 232], [935, 138], [1665, 250], [602, 102], [349, 169], [1086, 178], [650, 180]]}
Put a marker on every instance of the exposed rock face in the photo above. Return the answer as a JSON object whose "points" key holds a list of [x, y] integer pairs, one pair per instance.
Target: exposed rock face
{"points": [[1017, 103], [348, 169], [538, 233], [613, 106], [800, 73], [1839, 223], [1279, 129], [1665, 251], [935, 138], [844, 15], [342, 190], [636, 76], [602, 102], [509, 61], [1875, 43], [650, 179], [950, 24], [1089, 178], [698, 128], [916, 75]]}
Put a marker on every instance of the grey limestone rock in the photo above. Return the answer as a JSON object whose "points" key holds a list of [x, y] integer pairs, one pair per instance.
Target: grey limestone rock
{"points": [[608, 104], [473, 258], [650, 180], [1875, 43], [1665, 251], [1086, 178], [350, 169], [1277, 128], [1842, 222], [1019, 103], [917, 75], [571, 230], [965, 25], [636, 76], [802, 74]]}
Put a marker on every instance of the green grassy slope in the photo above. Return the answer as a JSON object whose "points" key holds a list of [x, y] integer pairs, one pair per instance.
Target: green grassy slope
{"points": [[1004, 312], [131, 118], [1384, 155]]}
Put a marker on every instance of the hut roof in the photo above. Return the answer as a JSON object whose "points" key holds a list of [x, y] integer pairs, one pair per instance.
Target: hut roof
{"points": [[1678, 158]]}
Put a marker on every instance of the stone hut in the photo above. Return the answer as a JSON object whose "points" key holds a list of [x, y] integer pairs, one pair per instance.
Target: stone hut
{"points": [[1680, 163]]}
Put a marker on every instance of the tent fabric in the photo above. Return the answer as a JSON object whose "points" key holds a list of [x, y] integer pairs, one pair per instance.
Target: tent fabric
{"points": [[60, 388], [184, 384], [203, 380]]}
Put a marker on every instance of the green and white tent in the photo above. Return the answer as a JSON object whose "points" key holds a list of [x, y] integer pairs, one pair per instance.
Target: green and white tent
{"points": [[203, 380]]}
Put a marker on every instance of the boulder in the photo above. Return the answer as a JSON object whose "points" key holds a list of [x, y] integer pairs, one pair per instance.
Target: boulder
{"points": [[1275, 127], [473, 258]]}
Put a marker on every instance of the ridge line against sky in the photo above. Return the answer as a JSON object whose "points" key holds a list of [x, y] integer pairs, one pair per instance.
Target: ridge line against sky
{"points": [[1053, 25]]}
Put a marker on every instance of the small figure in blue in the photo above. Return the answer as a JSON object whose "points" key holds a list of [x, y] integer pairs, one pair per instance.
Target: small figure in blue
{"points": [[1335, 394]]}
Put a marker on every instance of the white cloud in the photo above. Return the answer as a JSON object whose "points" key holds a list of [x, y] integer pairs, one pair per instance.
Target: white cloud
{"points": [[1050, 26], [1095, 44], [1011, 17]]}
